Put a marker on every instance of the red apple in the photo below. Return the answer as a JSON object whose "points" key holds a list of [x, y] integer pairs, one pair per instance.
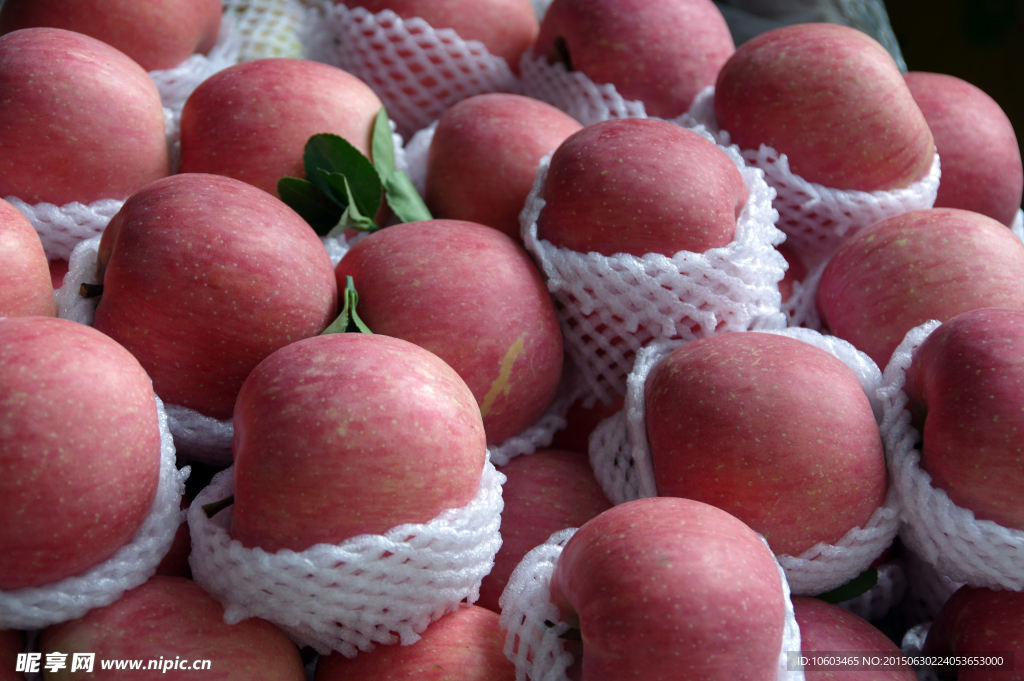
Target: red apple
{"points": [[349, 434], [203, 277], [835, 633], [661, 52], [26, 288], [251, 121], [981, 164], [903, 271], [983, 623], [466, 645], [546, 491], [12, 643], [80, 449], [671, 588], [484, 155], [580, 422], [505, 27], [473, 297], [79, 121], [966, 388], [773, 430], [176, 631], [640, 186], [832, 100], [158, 34]]}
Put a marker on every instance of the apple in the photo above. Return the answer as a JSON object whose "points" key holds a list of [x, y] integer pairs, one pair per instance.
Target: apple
{"points": [[507, 28], [834, 632], [981, 164], [640, 186], [25, 285], [671, 588], [796, 270], [546, 491], [771, 429], [980, 622], [80, 449], [175, 562], [466, 645], [79, 120], [580, 422], [177, 631], [12, 643], [484, 154], [158, 34], [205, 276], [472, 296], [928, 264], [832, 100], [349, 434], [966, 388], [661, 52], [251, 121]]}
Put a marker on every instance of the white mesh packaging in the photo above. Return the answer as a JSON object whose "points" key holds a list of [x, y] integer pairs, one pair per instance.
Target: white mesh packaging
{"points": [[912, 645], [611, 306], [533, 624], [416, 156], [573, 92], [134, 563], [367, 590], [416, 70], [801, 309], [817, 219], [267, 28], [927, 589], [61, 228], [540, 432], [71, 305], [977, 552], [883, 597], [621, 459]]}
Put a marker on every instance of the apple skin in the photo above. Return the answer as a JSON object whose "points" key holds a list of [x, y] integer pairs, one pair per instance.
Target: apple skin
{"points": [[484, 155], [978, 620], [25, 285], [80, 449], [832, 100], [981, 164], [966, 388], [473, 297], [79, 120], [204, 276], [675, 588], [12, 642], [545, 492], [905, 270], [640, 186], [158, 34], [660, 52], [466, 645], [251, 121], [581, 421], [830, 630], [771, 429], [507, 28], [349, 434], [170, 618], [796, 271]]}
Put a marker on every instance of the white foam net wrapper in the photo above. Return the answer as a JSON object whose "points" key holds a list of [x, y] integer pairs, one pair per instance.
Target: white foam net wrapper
{"points": [[61, 228], [134, 563], [817, 219], [533, 624], [981, 553], [621, 459], [417, 71], [611, 306], [887, 593], [267, 28], [367, 590], [927, 590], [912, 645]]}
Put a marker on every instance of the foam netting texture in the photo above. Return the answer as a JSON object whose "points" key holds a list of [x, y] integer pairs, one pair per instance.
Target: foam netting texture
{"points": [[611, 306], [367, 590], [621, 459], [912, 645], [817, 220], [417, 71], [886, 594], [981, 553], [927, 589], [135, 562], [533, 624], [267, 28]]}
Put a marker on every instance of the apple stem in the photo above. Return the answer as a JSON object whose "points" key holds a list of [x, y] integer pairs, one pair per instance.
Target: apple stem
{"points": [[216, 507], [90, 290]]}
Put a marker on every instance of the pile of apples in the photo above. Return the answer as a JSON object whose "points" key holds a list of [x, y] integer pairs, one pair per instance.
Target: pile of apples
{"points": [[247, 299]]}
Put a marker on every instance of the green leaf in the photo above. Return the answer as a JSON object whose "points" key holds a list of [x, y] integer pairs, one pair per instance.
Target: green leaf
{"points": [[860, 584], [403, 198], [315, 207], [328, 154], [348, 321], [382, 146], [357, 214]]}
